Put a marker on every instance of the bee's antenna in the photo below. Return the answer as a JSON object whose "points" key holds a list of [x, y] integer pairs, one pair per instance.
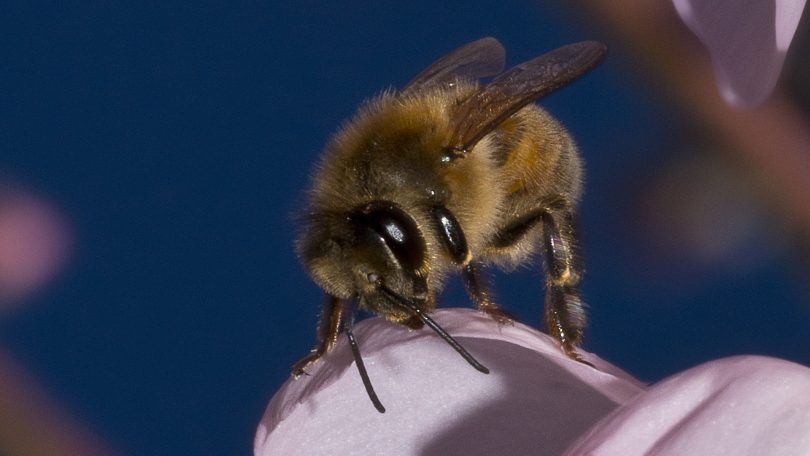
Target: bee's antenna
{"points": [[361, 367], [435, 326]]}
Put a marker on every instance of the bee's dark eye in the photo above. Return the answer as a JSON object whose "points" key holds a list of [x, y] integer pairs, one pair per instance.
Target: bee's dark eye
{"points": [[397, 229]]}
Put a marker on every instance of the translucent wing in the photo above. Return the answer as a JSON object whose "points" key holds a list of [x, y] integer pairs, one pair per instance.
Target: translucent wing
{"points": [[508, 93], [479, 59]]}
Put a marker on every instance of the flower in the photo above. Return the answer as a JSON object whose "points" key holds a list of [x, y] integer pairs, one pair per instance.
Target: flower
{"points": [[747, 40], [34, 244], [534, 401]]}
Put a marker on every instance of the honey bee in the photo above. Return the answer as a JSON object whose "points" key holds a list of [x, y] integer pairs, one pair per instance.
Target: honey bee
{"points": [[449, 174]]}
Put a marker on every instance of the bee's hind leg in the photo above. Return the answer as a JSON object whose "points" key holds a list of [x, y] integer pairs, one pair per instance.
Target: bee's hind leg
{"points": [[331, 323], [452, 236], [565, 317]]}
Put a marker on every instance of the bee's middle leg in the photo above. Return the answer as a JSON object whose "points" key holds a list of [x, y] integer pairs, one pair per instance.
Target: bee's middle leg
{"points": [[455, 242], [479, 292]]}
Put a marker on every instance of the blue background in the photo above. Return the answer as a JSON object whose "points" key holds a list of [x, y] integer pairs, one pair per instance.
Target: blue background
{"points": [[178, 139]]}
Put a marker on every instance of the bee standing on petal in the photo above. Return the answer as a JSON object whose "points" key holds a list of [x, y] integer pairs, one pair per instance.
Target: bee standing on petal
{"points": [[445, 176]]}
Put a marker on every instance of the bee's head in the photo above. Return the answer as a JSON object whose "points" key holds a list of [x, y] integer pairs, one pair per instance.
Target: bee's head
{"points": [[375, 253]]}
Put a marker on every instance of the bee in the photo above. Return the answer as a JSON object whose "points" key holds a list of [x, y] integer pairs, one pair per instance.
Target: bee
{"points": [[444, 176]]}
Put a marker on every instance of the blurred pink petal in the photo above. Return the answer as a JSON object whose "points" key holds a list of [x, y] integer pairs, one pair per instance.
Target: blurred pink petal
{"points": [[747, 40], [34, 242], [534, 401], [746, 405]]}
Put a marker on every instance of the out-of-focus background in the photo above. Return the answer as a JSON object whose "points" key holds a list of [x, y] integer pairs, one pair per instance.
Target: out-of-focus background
{"points": [[152, 156]]}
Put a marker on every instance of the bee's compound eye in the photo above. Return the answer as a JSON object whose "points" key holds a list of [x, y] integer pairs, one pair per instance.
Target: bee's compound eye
{"points": [[398, 230], [373, 277]]}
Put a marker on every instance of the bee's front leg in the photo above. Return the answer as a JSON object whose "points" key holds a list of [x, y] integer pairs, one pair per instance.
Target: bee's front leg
{"points": [[329, 327]]}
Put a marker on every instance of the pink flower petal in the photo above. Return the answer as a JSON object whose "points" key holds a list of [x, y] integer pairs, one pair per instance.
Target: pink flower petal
{"points": [[34, 243], [534, 401], [747, 40], [746, 405]]}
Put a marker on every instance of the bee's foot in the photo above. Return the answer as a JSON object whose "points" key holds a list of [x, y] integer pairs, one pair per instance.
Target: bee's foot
{"points": [[572, 353], [299, 368], [497, 314]]}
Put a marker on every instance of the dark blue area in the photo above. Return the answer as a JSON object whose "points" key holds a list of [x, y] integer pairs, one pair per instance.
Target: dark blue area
{"points": [[179, 138]]}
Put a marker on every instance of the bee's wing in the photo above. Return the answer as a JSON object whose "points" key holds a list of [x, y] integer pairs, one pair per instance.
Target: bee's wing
{"points": [[479, 59], [482, 112]]}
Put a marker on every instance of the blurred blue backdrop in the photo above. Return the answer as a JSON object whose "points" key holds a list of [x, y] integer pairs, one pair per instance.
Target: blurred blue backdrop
{"points": [[178, 138]]}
